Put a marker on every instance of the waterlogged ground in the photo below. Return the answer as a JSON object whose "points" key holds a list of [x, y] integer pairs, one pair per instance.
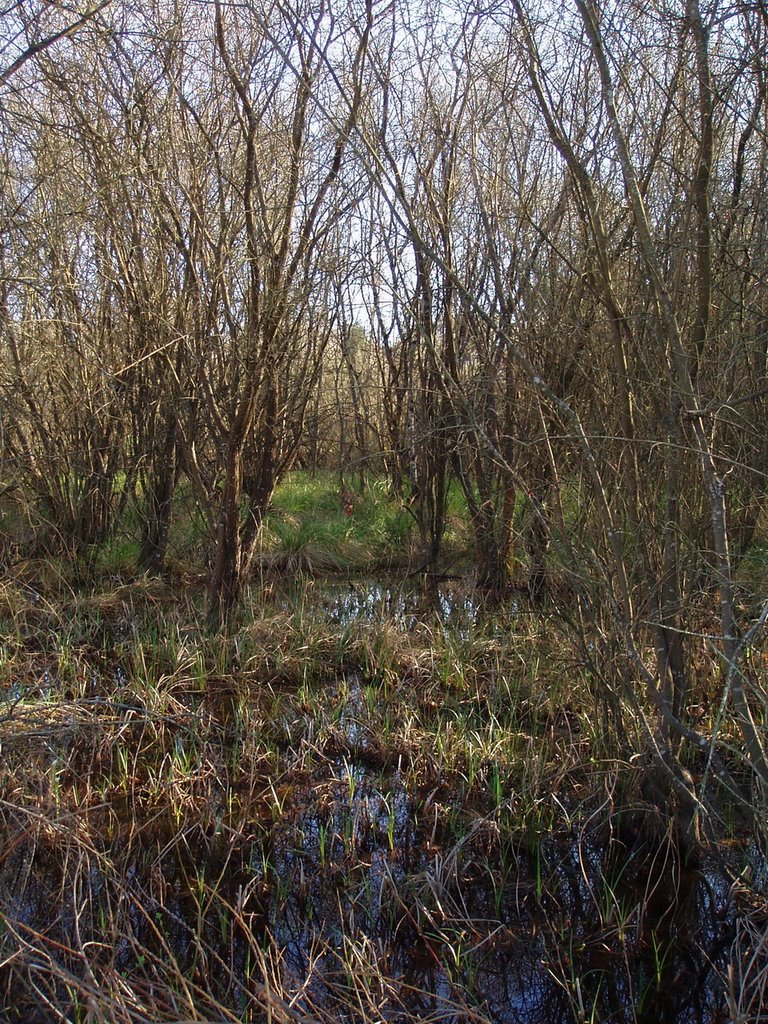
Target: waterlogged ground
{"points": [[360, 848], [449, 603], [496, 925]]}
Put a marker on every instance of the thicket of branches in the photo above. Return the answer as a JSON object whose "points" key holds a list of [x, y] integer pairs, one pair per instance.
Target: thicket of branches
{"points": [[522, 248]]}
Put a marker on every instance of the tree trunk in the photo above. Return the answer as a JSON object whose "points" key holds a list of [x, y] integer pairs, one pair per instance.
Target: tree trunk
{"points": [[224, 586], [492, 548], [160, 485]]}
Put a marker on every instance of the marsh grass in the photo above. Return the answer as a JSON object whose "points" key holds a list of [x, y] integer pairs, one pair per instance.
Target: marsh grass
{"points": [[311, 821]]}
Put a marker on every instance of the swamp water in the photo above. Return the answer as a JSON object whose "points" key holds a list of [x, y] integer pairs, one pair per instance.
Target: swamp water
{"points": [[447, 603], [350, 895]]}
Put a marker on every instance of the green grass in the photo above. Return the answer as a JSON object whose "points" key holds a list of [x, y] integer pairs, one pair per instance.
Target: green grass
{"points": [[307, 494], [119, 555], [753, 568], [314, 525]]}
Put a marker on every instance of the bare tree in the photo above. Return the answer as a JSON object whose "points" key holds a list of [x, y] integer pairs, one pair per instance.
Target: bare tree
{"points": [[291, 193], [30, 30]]}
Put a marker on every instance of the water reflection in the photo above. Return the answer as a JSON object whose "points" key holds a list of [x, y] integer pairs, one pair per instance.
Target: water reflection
{"points": [[607, 921], [452, 603], [574, 926]]}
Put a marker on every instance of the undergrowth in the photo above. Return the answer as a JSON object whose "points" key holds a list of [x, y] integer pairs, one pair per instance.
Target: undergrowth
{"points": [[387, 818]]}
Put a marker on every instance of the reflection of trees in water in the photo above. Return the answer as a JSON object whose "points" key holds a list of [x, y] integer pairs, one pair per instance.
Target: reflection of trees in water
{"points": [[563, 953]]}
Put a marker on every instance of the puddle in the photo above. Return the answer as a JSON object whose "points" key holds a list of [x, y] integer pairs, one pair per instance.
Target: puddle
{"points": [[346, 871], [405, 602], [14, 694], [354, 863], [347, 886], [370, 601], [757, 868]]}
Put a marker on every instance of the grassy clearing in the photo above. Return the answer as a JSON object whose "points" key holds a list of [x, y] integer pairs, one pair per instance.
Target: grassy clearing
{"points": [[317, 525], [319, 821]]}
